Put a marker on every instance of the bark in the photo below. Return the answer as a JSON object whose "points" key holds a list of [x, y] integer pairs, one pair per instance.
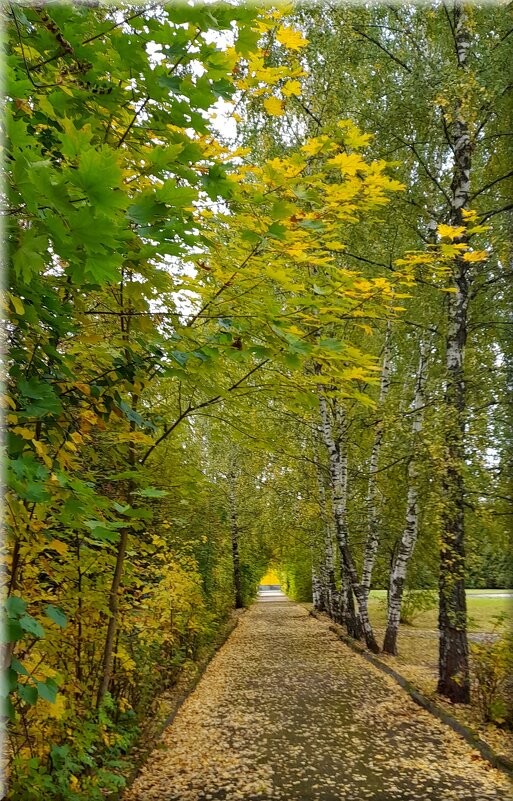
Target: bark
{"points": [[406, 545], [371, 546], [328, 601], [234, 529], [110, 637], [336, 446], [453, 679], [316, 590]]}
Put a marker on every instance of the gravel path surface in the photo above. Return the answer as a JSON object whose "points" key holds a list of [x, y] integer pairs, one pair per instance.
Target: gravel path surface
{"points": [[286, 711]]}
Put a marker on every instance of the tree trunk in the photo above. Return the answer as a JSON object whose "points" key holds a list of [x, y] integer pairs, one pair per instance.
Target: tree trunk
{"points": [[337, 453], [407, 542], [110, 637], [328, 600], [454, 682], [371, 546], [234, 528]]}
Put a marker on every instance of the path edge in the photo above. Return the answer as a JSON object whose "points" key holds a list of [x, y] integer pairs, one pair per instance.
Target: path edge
{"points": [[498, 761], [224, 634]]}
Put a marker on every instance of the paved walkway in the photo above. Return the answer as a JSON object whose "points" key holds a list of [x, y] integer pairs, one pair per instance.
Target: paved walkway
{"points": [[286, 711]]}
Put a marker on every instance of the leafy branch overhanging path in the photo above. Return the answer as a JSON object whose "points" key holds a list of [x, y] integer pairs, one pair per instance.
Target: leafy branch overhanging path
{"points": [[286, 711]]}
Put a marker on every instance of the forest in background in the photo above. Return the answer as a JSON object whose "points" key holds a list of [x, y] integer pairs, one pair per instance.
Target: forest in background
{"points": [[259, 314]]}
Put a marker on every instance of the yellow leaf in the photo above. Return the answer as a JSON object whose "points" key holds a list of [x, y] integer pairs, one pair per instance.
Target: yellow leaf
{"points": [[290, 38], [475, 255], [57, 545], [17, 305], [76, 437], [353, 136], [348, 163], [291, 88], [274, 106], [24, 432], [469, 214], [42, 451], [451, 231], [315, 145]]}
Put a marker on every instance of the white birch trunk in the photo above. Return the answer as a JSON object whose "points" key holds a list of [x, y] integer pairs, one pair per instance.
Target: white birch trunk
{"points": [[336, 446], [371, 546], [408, 540], [454, 680], [327, 571]]}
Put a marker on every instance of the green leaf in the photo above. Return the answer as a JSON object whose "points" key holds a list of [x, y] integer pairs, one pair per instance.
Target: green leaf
{"points": [[176, 196], [151, 492], [32, 626], [47, 690], [146, 210], [99, 176], [57, 615], [15, 606], [28, 693], [12, 631]]}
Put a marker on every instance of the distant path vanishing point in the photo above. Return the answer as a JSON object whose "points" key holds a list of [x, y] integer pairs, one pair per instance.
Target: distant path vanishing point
{"points": [[287, 711]]}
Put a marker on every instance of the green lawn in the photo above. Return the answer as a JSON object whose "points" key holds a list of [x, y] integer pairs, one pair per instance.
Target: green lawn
{"points": [[481, 610]]}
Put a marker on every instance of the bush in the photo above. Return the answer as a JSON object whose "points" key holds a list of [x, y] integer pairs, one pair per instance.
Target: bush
{"points": [[492, 668]]}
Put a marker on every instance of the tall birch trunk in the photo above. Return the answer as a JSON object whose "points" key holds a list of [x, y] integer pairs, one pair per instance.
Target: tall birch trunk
{"points": [[453, 679], [406, 545], [336, 446], [328, 601], [371, 546], [234, 530]]}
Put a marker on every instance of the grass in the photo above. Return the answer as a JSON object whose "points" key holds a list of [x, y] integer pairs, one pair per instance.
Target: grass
{"points": [[482, 611]]}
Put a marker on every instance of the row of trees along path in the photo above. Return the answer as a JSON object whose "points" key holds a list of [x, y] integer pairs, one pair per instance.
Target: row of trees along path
{"points": [[288, 345]]}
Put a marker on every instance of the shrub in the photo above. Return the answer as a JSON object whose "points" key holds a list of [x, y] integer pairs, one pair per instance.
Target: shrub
{"points": [[492, 668]]}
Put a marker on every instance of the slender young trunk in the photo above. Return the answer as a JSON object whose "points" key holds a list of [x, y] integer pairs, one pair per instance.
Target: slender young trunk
{"points": [[110, 637], [453, 681], [337, 452], [328, 599], [79, 610], [316, 590], [234, 528], [348, 614], [408, 539], [371, 546]]}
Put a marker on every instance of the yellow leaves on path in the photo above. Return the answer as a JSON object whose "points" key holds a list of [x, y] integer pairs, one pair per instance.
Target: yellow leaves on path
{"points": [[286, 711]]}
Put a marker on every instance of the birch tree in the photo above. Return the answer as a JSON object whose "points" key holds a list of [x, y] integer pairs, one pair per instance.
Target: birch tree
{"points": [[404, 551]]}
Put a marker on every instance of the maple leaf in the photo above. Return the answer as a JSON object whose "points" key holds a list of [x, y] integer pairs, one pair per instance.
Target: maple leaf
{"points": [[451, 231], [290, 38], [291, 88], [475, 255], [348, 163], [274, 106]]}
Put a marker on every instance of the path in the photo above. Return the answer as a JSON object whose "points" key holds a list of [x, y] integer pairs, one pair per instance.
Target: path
{"points": [[286, 711]]}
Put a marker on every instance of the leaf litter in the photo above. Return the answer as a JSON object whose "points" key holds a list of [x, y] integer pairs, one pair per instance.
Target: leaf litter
{"points": [[286, 711]]}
